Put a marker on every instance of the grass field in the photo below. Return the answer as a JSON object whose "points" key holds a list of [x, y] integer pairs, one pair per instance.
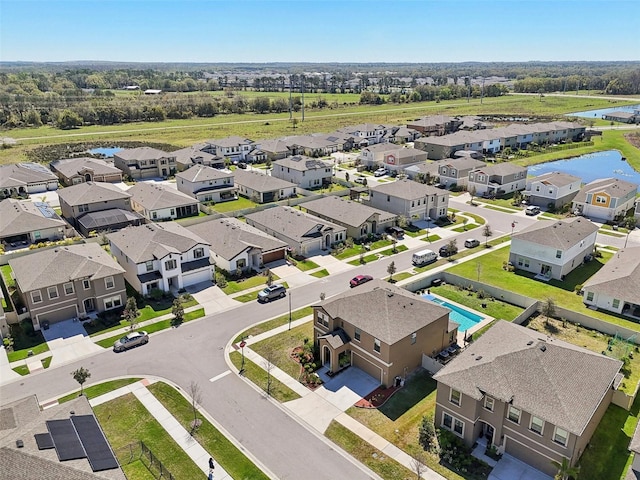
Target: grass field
{"points": [[258, 375], [100, 389], [273, 323]]}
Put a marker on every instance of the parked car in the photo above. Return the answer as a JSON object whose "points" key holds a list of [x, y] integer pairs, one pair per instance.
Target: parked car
{"points": [[471, 243], [380, 172], [131, 340], [395, 231], [271, 293], [242, 165], [360, 180], [359, 280], [532, 210], [447, 250], [423, 257]]}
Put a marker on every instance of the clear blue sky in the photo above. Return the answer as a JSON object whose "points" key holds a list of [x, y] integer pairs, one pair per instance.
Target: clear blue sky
{"points": [[319, 31]]}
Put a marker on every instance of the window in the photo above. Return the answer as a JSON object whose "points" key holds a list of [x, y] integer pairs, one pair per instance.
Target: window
{"points": [[376, 345], [198, 253], [173, 212], [447, 421], [514, 414], [590, 296], [68, 288], [52, 292], [601, 200], [537, 425], [112, 302], [86, 284], [560, 436], [455, 396], [414, 336], [489, 403], [83, 208], [149, 265], [388, 198], [109, 283], [154, 215], [170, 264], [36, 297], [323, 319], [458, 426], [615, 303], [357, 334], [558, 253]]}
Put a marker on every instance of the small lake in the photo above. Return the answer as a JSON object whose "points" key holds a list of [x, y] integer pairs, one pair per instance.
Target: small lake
{"points": [[602, 111], [590, 167], [106, 151]]}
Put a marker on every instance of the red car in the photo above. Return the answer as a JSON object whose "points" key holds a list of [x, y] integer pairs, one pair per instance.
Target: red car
{"points": [[359, 280]]}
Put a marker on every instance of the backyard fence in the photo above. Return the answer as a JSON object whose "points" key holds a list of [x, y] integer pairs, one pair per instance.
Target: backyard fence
{"points": [[139, 451]]}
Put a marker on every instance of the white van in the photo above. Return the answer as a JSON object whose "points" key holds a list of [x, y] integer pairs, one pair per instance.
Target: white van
{"points": [[424, 257]]}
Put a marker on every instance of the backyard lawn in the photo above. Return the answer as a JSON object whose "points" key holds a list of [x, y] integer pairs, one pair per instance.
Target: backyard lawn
{"points": [[495, 308], [240, 204]]}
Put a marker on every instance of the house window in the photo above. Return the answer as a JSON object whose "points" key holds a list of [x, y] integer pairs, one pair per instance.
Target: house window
{"points": [[388, 198], [376, 345], [458, 426], [537, 425], [86, 284], [558, 253], [198, 253], [538, 188], [173, 211], [455, 396], [68, 288], [488, 403], [560, 436], [149, 265], [170, 264], [357, 334], [615, 303], [601, 200], [514, 414], [112, 302], [36, 297], [52, 292], [83, 208], [447, 420], [154, 215], [589, 296], [323, 319], [109, 283], [414, 337]]}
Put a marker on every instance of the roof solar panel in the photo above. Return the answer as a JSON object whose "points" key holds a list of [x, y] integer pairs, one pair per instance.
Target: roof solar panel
{"points": [[65, 440], [98, 450], [44, 441]]}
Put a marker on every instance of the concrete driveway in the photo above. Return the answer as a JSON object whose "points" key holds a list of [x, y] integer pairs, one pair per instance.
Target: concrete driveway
{"points": [[211, 297], [68, 341], [510, 468]]}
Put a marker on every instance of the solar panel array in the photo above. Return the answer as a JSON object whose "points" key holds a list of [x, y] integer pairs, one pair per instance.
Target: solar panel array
{"points": [[65, 440]]}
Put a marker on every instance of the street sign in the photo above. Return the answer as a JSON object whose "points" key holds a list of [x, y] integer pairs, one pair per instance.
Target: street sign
{"points": [[243, 344]]}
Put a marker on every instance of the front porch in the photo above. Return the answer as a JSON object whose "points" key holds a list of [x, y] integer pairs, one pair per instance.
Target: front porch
{"points": [[335, 354]]}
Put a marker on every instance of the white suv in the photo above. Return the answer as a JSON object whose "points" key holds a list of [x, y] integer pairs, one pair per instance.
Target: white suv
{"points": [[532, 210], [380, 172]]}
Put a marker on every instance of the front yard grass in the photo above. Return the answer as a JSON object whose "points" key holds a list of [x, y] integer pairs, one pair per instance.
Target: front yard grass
{"points": [[273, 323], [235, 286], [431, 238], [305, 264], [248, 297], [465, 228], [125, 420], [258, 375], [225, 453], [356, 249], [96, 390], [495, 308], [321, 273], [25, 339], [21, 370]]}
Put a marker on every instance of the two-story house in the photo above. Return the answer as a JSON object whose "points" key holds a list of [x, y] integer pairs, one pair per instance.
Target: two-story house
{"points": [[435, 125], [533, 397], [455, 171], [605, 199], [157, 202], [207, 184], [87, 197], [190, 156], [263, 188], [145, 162], [164, 256], [381, 329], [497, 179], [306, 172], [553, 249], [72, 171], [366, 133], [23, 222], [233, 148], [22, 179], [391, 157], [552, 189], [68, 282], [413, 200]]}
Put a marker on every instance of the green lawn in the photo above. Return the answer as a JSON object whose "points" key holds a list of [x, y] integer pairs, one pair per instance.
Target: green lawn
{"points": [[125, 420], [5, 282], [245, 284], [248, 297], [465, 228], [274, 323], [258, 375], [25, 339], [357, 249], [321, 273], [402, 276], [225, 453], [96, 390], [6, 276], [305, 265], [431, 238], [240, 204], [389, 252], [21, 370], [495, 308]]}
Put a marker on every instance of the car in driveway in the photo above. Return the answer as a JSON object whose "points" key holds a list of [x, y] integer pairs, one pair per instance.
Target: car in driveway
{"points": [[532, 210], [359, 280], [360, 180], [380, 172], [471, 243], [395, 231], [271, 292], [131, 340], [448, 250]]}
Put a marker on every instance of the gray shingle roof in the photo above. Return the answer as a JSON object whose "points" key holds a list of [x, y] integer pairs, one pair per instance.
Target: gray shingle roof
{"points": [[462, 163], [202, 173], [156, 197], [614, 187], [387, 312], [45, 268], [344, 211], [259, 181], [91, 192], [229, 237], [293, 223], [619, 277], [72, 166], [188, 156], [560, 235], [232, 141], [18, 217], [551, 379], [501, 169], [142, 153], [154, 241], [17, 174], [558, 179], [406, 189], [302, 163]]}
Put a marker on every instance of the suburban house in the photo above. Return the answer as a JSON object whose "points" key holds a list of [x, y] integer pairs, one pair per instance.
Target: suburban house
{"points": [[553, 188], [435, 125], [304, 233], [145, 162], [616, 286], [78, 200], [400, 134], [305, 172], [23, 222], [381, 329], [366, 133], [426, 169], [605, 199], [482, 141], [533, 397], [233, 148], [275, 149], [22, 179], [515, 136], [317, 145], [410, 199], [164, 256], [636, 212], [190, 156], [237, 247], [263, 188], [391, 156], [359, 220], [623, 117], [158, 202], [455, 171], [553, 249], [497, 179], [634, 447], [68, 282], [72, 171], [207, 184]]}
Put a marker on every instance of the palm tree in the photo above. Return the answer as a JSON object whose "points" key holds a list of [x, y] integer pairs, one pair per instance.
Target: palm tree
{"points": [[565, 470]]}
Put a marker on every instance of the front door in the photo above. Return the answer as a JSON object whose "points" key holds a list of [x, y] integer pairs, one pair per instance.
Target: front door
{"points": [[89, 305]]}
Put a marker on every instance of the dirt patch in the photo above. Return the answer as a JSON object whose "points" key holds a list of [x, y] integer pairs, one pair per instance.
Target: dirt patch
{"points": [[377, 398], [633, 139]]}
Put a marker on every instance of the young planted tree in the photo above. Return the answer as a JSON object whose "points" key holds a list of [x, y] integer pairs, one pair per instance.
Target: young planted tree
{"points": [[131, 312], [565, 470], [80, 375], [391, 269], [269, 277], [473, 192], [268, 366], [486, 233], [177, 309], [346, 176], [418, 461], [196, 397], [548, 309]]}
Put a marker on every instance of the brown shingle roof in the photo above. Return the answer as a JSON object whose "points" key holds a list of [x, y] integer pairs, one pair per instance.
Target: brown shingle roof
{"points": [[345, 211], [91, 192], [614, 187], [560, 235]]}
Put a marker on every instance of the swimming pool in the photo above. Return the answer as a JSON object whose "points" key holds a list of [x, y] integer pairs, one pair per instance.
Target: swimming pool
{"points": [[464, 317]]}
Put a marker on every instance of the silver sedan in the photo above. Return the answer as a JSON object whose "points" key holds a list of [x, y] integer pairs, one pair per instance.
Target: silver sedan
{"points": [[131, 340]]}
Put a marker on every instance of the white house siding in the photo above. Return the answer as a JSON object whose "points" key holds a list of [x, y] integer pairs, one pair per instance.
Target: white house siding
{"points": [[602, 301]]}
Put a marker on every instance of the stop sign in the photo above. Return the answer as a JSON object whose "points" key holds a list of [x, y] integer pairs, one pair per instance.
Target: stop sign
{"points": [[243, 344]]}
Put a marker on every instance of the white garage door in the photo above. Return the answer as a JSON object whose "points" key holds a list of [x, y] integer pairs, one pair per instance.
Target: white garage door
{"points": [[197, 276]]}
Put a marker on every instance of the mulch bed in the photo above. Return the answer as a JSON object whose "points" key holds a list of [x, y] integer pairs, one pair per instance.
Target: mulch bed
{"points": [[377, 398]]}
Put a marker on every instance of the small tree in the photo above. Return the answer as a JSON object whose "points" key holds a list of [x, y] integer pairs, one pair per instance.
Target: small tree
{"points": [[486, 233], [473, 192], [346, 176], [391, 269], [221, 280], [548, 309], [80, 375], [465, 220], [268, 367], [427, 434], [364, 181], [269, 277], [403, 221], [131, 312], [452, 247], [418, 464], [565, 470], [177, 309], [196, 397], [394, 241]]}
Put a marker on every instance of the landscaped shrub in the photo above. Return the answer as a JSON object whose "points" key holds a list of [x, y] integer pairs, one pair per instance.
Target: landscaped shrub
{"points": [[427, 434], [221, 280], [455, 454]]}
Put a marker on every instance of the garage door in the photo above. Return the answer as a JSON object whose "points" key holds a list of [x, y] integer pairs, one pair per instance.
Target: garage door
{"points": [[65, 313], [192, 278], [528, 456], [273, 256], [366, 366]]}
